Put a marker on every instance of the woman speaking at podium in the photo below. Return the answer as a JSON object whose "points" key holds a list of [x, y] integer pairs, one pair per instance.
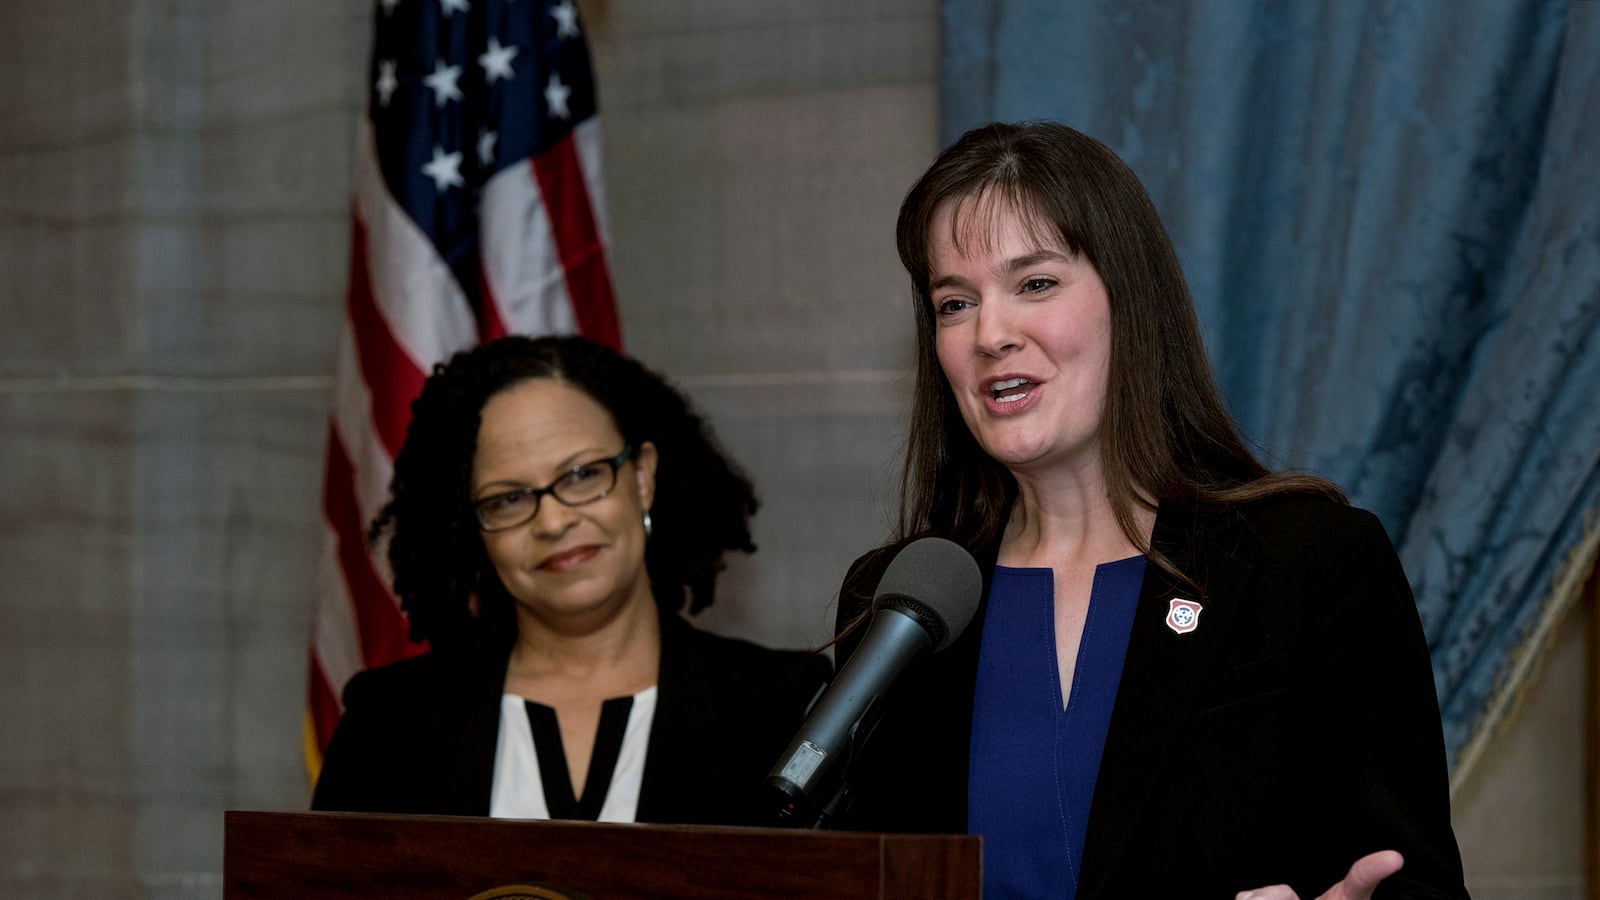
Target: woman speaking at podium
{"points": [[1190, 676], [552, 506]]}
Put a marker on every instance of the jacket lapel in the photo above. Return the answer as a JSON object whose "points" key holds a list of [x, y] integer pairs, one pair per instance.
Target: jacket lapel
{"points": [[1160, 677], [683, 735], [469, 718]]}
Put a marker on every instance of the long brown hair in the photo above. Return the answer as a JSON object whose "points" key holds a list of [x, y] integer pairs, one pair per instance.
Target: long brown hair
{"points": [[1166, 436]]}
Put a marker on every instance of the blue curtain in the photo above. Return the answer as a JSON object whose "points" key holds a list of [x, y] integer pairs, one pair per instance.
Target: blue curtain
{"points": [[1390, 215]]}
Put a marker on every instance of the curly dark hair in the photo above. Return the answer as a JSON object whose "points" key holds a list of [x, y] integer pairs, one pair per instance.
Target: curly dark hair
{"points": [[442, 574]]}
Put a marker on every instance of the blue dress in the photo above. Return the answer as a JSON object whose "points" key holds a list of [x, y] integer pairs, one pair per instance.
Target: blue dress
{"points": [[1034, 759]]}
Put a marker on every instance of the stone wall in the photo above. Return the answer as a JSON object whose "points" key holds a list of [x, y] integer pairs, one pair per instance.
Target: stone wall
{"points": [[174, 181]]}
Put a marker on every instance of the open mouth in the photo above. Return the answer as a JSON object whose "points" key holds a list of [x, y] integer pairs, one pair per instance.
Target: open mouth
{"points": [[1011, 390]]}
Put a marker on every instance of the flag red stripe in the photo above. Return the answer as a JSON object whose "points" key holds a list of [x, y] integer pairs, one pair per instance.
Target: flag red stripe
{"points": [[393, 377], [324, 705], [383, 628], [578, 243], [491, 325]]}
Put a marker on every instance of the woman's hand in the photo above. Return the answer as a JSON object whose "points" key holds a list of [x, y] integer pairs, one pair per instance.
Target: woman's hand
{"points": [[1358, 883]]}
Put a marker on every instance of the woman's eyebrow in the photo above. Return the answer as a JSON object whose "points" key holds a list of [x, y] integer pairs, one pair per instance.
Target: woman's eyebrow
{"points": [[1032, 259], [1009, 267]]}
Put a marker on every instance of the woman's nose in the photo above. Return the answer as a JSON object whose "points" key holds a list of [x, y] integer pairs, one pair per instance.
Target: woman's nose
{"points": [[553, 518], [996, 332]]}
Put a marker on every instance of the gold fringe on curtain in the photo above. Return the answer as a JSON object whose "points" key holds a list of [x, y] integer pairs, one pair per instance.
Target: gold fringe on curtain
{"points": [[1566, 588]]}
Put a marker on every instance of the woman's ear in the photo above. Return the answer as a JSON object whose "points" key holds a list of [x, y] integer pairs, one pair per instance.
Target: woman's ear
{"points": [[644, 472]]}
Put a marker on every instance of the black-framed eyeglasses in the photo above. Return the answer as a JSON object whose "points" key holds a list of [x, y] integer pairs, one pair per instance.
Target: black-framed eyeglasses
{"points": [[583, 483]]}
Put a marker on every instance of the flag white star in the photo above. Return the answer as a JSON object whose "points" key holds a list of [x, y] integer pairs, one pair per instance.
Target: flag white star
{"points": [[555, 97], [496, 61], [443, 83], [386, 81], [566, 16], [450, 6], [444, 169], [486, 141]]}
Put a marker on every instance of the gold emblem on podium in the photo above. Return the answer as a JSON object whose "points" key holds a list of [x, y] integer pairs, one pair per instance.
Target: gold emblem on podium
{"points": [[530, 892]]}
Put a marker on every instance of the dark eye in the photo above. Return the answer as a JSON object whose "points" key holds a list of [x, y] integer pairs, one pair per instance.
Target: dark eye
{"points": [[949, 306], [582, 474], [503, 502], [1035, 285]]}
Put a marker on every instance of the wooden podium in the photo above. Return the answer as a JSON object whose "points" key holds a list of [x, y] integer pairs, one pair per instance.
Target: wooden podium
{"points": [[343, 855]]}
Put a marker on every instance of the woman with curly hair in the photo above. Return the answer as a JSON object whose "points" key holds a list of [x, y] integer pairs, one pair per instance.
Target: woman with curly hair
{"points": [[551, 509]]}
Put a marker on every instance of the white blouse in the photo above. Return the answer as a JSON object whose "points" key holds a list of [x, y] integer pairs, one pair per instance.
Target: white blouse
{"points": [[519, 790]]}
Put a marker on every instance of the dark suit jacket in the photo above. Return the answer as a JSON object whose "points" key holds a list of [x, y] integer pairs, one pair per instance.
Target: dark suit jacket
{"points": [[419, 736], [1293, 731]]}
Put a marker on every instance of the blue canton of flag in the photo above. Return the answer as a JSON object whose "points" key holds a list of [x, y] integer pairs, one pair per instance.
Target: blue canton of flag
{"points": [[461, 90]]}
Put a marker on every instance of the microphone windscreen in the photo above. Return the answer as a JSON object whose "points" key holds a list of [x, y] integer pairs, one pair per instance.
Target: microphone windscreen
{"points": [[937, 580]]}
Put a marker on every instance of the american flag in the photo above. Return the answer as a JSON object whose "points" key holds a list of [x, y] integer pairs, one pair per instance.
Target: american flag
{"points": [[477, 212]]}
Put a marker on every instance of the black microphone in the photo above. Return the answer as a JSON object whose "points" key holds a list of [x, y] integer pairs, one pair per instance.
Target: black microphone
{"points": [[924, 601]]}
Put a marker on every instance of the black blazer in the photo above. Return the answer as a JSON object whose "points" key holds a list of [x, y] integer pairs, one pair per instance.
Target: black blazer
{"points": [[419, 736], [1293, 731]]}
